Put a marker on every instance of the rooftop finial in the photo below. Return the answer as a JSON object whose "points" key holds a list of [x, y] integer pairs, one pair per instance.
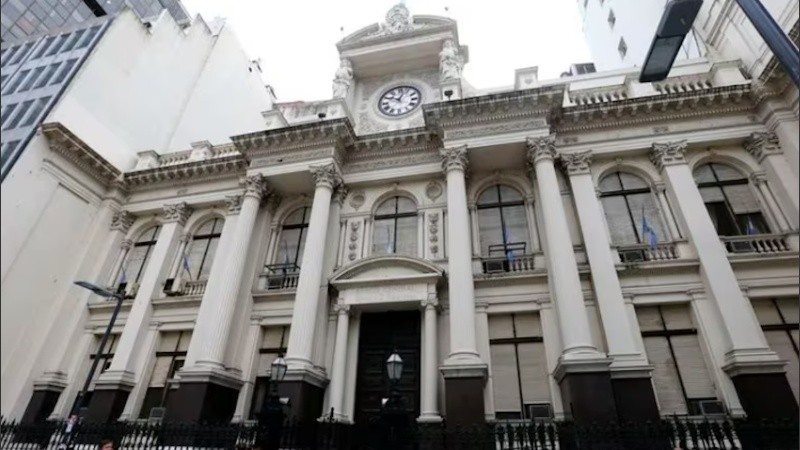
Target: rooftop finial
{"points": [[398, 19]]}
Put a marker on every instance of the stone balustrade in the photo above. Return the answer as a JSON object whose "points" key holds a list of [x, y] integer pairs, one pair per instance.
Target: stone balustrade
{"points": [[758, 243], [665, 251], [506, 265]]}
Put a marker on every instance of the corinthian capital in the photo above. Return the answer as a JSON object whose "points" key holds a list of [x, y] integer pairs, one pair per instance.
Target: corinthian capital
{"points": [[541, 148], [255, 186], [122, 221], [326, 175], [454, 158], [762, 144], [668, 153], [177, 212], [577, 163]]}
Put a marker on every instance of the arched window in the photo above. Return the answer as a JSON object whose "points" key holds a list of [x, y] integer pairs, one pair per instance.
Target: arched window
{"points": [[139, 255], [293, 239], [730, 202], [631, 209], [502, 222], [395, 227], [202, 249]]}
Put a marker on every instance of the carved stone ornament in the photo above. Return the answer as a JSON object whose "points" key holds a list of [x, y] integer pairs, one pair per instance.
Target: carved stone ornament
{"points": [[577, 163], [126, 244], [122, 221], [186, 238], [326, 175], [450, 62], [668, 153], [758, 178], [256, 186], [177, 212], [433, 233], [340, 194], [762, 144], [357, 200], [541, 148], [398, 20], [342, 79], [233, 204], [454, 158], [341, 309], [353, 245], [433, 191]]}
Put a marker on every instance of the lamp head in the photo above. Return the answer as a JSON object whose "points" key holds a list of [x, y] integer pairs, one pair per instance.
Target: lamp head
{"points": [[394, 367], [278, 368]]}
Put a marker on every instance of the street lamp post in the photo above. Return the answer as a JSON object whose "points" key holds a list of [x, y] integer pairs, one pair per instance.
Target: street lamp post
{"points": [[395, 417], [677, 21], [271, 415], [81, 402]]}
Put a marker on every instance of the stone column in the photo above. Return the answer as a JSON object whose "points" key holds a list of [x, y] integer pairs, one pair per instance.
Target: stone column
{"points": [[304, 383], [463, 370], [421, 234], [484, 349], [630, 372], [579, 353], [429, 395], [529, 214], [339, 362], [772, 210], [249, 367], [766, 149], [208, 390], [144, 368], [475, 234], [749, 361], [113, 386]]}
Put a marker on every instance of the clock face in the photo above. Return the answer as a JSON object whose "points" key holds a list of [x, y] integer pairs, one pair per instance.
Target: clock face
{"points": [[399, 100]]}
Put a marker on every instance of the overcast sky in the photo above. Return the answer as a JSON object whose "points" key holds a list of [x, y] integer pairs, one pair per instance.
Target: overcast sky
{"points": [[295, 39]]}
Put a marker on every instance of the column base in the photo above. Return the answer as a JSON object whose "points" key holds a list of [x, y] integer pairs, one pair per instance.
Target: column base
{"points": [[429, 418], [634, 396], [766, 395], [586, 389], [106, 405], [203, 402], [305, 389], [463, 393], [40, 406]]}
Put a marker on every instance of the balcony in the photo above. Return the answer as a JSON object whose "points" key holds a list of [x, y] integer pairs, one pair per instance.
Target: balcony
{"points": [[185, 288], [507, 259], [762, 244], [636, 253], [279, 277], [197, 287]]}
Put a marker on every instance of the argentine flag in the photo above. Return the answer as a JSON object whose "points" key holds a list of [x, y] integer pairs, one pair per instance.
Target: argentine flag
{"points": [[649, 235]]}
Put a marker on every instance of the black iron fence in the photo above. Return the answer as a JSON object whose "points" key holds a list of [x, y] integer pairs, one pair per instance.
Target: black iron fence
{"points": [[667, 434]]}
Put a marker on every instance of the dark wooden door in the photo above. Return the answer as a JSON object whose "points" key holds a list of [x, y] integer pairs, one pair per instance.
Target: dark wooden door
{"points": [[380, 334]]}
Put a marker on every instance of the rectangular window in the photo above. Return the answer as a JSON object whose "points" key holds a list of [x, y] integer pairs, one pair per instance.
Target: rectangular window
{"points": [[780, 320], [8, 150], [37, 72], [622, 48], [6, 112], [36, 111], [55, 48], [17, 81], [681, 377], [105, 357], [519, 367], [43, 47], [89, 36], [273, 343], [74, 39], [64, 71], [21, 53], [23, 109], [51, 69], [170, 357], [3, 79]]}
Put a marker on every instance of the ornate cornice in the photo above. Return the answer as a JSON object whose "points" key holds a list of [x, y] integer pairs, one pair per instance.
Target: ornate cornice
{"points": [[176, 212], [541, 148], [454, 158], [668, 154], [762, 144], [328, 138], [122, 221], [326, 175], [392, 149], [66, 144], [507, 108], [227, 165], [577, 163], [656, 108]]}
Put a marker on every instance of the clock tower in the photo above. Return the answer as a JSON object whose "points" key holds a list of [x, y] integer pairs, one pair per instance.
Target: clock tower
{"points": [[389, 70]]}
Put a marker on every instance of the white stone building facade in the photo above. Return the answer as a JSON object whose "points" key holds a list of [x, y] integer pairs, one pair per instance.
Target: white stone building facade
{"points": [[589, 248]]}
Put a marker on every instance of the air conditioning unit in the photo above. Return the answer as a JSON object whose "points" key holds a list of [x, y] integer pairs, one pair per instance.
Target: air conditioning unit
{"points": [[741, 247], [632, 256], [710, 407], [131, 289], [538, 411], [494, 266], [275, 282], [172, 288], [156, 414]]}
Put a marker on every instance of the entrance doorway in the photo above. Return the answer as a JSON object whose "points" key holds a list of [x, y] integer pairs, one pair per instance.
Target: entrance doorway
{"points": [[380, 334]]}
